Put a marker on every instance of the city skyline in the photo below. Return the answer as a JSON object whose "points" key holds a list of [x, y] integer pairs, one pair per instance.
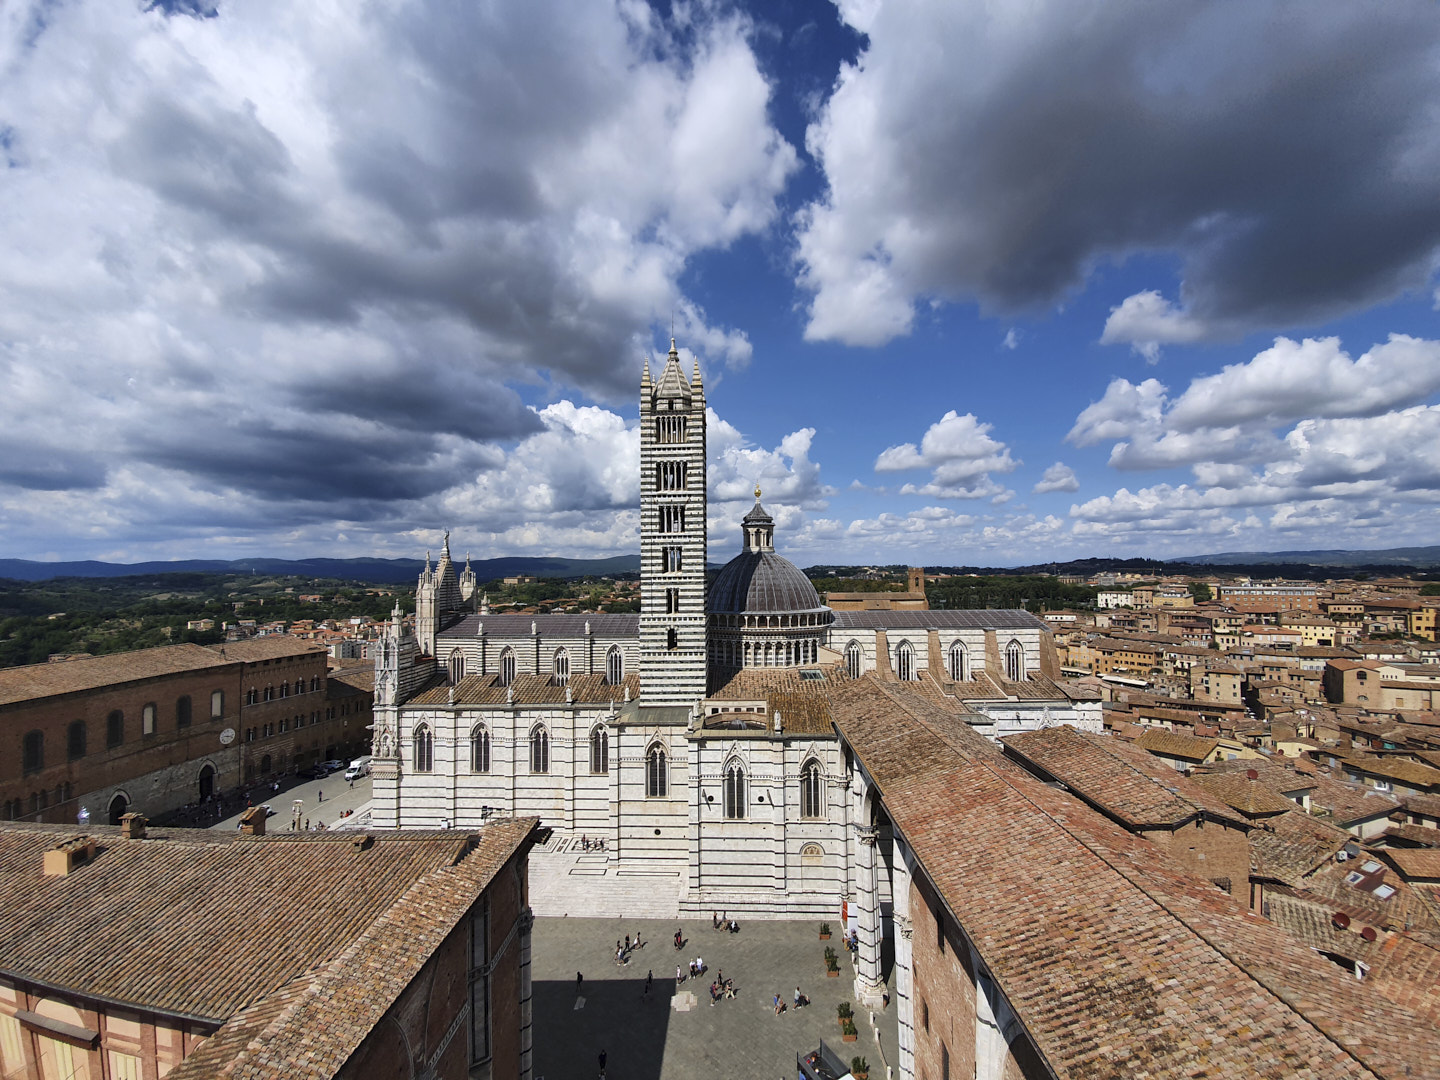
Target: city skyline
{"points": [[967, 285]]}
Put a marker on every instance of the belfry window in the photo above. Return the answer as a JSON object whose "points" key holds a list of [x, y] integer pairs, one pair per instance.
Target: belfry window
{"points": [[673, 561], [672, 519], [670, 429], [735, 792], [656, 773], [670, 476], [1014, 662], [905, 662], [672, 601]]}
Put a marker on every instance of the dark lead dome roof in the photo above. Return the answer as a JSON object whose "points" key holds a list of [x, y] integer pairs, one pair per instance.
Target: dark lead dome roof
{"points": [[761, 582]]}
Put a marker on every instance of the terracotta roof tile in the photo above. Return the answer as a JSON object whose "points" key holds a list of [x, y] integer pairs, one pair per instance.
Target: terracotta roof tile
{"points": [[1115, 962], [199, 922], [35, 681], [1122, 780]]}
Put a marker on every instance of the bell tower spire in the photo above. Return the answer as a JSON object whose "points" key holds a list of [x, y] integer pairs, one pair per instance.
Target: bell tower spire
{"points": [[673, 549]]}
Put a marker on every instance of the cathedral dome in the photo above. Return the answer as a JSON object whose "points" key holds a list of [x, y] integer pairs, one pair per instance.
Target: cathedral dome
{"points": [[762, 582]]}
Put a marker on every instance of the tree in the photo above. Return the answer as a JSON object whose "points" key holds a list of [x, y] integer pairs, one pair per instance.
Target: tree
{"points": [[1201, 592]]}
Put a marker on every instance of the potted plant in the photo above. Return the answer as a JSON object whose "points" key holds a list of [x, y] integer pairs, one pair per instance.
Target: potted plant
{"points": [[859, 1068], [832, 963], [845, 1012], [848, 1032], [824, 931]]}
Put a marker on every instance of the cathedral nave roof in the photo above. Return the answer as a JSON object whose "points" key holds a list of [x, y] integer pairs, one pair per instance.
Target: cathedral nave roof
{"points": [[529, 690], [981, 619], [602, 624]]}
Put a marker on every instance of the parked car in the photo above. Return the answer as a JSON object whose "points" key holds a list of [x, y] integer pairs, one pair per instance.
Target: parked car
{"points": [[314, 772], [269, 810], [333, 765]]}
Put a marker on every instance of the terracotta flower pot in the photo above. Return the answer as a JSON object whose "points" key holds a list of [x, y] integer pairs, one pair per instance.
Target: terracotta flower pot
{"points": [[832, 974], [848, 1038], [824, 937]]}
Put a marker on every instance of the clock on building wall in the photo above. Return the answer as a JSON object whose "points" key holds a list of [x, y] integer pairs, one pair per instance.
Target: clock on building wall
{"points": [[227, 736]]}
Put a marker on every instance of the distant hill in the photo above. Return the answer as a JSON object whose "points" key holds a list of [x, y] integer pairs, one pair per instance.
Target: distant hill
{"points": [[375, 571], [1407, 556]]}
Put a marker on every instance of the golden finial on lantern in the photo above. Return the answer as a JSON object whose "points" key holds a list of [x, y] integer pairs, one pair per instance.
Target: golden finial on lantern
{"points": [[757, 492]]}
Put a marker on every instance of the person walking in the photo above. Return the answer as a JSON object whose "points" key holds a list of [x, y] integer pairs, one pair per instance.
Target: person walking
{"points": [[602, 1063], [679, 974], [579, 982], [649, 978]]}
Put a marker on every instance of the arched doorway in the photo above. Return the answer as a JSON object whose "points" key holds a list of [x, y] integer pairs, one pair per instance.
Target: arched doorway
{"points": [[207, 782], [265, 765], [119, 806]]}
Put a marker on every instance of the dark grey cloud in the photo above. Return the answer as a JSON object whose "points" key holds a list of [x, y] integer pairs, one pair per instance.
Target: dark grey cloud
{"points": [[1288, 154], [287, 265]]}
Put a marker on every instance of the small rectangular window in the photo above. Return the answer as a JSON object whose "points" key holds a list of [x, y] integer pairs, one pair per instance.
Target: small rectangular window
{"points": [[217, 704]]}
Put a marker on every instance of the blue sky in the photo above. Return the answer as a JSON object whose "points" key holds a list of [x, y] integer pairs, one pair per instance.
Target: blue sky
{"points": [[980, 284]]}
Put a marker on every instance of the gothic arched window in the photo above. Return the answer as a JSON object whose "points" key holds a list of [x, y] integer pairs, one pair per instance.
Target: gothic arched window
{"points": [[507, 666], [812, 789], [457, 667], [853, 659], [561, 667], [423, 757], [657, 773], [614, 666], [957, 662], [539, 749], [480, 749], [735, 791], [1015, 661], [599, 749], [905, 662]]}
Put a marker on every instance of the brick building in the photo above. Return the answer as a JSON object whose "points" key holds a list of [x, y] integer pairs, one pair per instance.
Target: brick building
{"points": [[157, 729], [317, 955]]}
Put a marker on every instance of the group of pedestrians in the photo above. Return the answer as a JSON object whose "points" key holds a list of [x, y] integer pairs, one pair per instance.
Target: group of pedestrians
{"points": [[623, 949]]}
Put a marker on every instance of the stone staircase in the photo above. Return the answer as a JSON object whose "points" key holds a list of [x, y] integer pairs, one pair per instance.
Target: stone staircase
{"points": [[566, 880]]}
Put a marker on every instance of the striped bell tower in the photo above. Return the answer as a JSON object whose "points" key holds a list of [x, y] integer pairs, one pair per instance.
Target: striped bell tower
{"points": [[672, 536]]}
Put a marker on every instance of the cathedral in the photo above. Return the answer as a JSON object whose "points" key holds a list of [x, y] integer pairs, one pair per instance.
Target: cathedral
{"points": [[695, 736]]}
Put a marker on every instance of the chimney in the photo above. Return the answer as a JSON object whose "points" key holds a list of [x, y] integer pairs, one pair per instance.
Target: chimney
{"points": [[132, 826], [252, 822], [62, 859]]}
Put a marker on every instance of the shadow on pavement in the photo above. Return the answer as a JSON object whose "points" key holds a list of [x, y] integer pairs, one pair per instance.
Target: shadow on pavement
{"points": [[632, 1031]]}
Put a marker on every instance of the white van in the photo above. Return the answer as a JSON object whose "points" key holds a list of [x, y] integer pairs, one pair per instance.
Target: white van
{"points": [[358, 768]]}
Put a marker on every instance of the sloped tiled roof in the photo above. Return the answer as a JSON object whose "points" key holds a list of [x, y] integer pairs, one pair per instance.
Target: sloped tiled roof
{"points": [[312, 1026], [1293, 844], [602, 624], [1115, 962], [1109, 772], [197, 922], [1173, 744], [269, 647], [1250, 797], [35, 681], [984, 619], [591, 689]]}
